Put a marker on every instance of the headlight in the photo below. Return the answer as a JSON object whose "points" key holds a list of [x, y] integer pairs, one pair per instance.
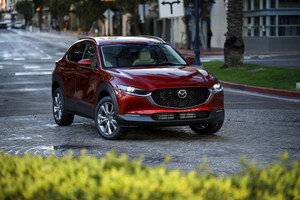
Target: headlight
{"points": [[217, 88], [133, 90]]}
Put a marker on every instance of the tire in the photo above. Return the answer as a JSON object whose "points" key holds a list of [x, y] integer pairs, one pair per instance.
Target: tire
{"points": [[105, 119], [61, 116], [208, 129]]}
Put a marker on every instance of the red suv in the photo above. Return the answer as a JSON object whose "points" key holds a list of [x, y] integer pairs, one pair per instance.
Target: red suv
{"points": [[123, 82]]}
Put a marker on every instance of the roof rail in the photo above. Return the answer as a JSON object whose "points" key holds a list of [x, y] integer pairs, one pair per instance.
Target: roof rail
{"points": [[89, 38], [153, 37]]}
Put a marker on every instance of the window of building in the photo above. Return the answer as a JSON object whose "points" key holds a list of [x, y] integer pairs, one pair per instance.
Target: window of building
{"points": [[248, 27], [249, 4], [289, 25], [256, 4], [273, 25], [288, 4], [264, 25], [256, 26], [264, 4], [272, 3]]}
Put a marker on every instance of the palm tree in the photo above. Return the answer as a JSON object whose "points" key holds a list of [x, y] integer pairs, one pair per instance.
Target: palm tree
{"points": [[234, 46]]}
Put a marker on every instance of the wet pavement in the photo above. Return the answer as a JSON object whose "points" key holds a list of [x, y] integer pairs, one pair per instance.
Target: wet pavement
{"points": [[256, 126]]}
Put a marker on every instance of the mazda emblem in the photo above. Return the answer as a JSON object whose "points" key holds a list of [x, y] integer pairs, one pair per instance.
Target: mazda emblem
{"points": [[182, 94]]}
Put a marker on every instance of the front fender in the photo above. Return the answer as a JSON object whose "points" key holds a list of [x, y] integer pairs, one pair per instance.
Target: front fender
{"points": [[107, 89]]}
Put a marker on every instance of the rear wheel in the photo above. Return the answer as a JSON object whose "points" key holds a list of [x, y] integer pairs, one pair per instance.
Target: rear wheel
{"points": [[60, 115], [105, 119]]}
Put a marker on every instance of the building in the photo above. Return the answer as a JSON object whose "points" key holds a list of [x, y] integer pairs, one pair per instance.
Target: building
{"points": [[269, 25], [8, 5]]}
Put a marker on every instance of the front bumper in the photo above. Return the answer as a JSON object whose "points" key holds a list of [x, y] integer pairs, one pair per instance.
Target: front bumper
{"points": [[147, 120]]}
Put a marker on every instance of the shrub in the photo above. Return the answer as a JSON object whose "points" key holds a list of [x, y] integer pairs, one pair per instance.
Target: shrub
{"points": [[113, 177]]}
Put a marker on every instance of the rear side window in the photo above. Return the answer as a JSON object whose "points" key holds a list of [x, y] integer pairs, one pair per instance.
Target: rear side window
{"points": [[76, 52]]}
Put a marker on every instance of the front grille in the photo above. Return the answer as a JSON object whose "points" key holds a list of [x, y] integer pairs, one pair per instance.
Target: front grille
{"points": [[170, 97]]}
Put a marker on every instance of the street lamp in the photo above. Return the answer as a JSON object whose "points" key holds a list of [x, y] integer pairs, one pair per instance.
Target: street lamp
{"points": [[197, 50]]}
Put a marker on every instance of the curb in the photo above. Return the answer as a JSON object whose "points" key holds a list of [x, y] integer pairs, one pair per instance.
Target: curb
{"points": [[278, 92], [205, 53]]}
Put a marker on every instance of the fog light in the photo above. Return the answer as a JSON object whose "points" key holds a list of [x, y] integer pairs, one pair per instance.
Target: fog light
{"points": [[165, 116], [189, 115]]}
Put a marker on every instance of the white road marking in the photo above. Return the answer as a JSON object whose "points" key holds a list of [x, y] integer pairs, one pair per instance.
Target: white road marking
{"points": [[32, 73], [26, 83], [46, 58], [43, 69], [60, 53], [262, 95], [31, 67], [1, 67], [19, 59], [25, 89]]}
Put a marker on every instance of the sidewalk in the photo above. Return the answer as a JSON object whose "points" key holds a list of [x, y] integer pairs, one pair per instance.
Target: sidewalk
{"points": [[219, 51]]}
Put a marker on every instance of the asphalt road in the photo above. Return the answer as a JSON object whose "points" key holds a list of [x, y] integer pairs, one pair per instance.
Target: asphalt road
{"points": [[256, 126]]}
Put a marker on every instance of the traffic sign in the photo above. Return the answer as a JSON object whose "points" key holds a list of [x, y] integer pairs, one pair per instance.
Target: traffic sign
{"points": [[171, 8], [108, 13]]}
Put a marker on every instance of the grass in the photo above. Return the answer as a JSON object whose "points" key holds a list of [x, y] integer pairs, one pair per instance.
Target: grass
{"points": [[256, 75]]}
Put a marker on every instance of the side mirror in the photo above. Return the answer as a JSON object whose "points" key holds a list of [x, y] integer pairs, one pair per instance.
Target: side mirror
{"points": [[85, 63], [190, 59]]}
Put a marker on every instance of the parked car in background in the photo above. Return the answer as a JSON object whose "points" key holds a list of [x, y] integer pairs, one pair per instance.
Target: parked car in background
{"points": [[3, 25], [17, 25], [125, 82]]}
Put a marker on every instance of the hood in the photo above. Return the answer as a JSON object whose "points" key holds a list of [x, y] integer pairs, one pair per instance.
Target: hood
{"points": [[151, 78]]}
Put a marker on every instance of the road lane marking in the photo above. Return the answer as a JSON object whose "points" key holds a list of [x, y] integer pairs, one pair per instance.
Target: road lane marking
{"points": [[261, 95], [26, 83], [32, 73], [1, 67], [19, 59], [43, 69], [46, 57], [25, 89], [31, 67], [60, 53]]}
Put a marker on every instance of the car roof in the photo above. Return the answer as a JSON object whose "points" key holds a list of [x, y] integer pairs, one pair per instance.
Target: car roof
{"points": [[125, 39]]}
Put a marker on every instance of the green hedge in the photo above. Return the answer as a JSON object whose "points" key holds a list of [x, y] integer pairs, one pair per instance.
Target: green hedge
{"points": [[113, 177]]}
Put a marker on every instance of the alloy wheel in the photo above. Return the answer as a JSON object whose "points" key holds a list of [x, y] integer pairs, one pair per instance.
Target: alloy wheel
{"points": [[57, 106], [106, 119]]}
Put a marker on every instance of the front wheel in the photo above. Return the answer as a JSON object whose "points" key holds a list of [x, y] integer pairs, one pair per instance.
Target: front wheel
{"points": [[209, 128], [105, 119]]}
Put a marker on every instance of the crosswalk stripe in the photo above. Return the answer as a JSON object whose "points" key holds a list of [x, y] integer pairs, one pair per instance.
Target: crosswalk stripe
{"points": [[19, 59], [25, 89], [31, 67], [32, 73]]}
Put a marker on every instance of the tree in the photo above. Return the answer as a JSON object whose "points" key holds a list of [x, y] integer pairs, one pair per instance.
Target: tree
{"points": [[25, 8], [89, 11], [58, 9], [131, 7], [234, 46]]}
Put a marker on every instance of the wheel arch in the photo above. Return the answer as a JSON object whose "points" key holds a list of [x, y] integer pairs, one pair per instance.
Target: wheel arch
{"points": [[106, 89], [56, 83]]}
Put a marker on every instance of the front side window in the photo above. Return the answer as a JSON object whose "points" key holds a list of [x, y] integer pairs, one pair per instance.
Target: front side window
{"points": [[76, 52], [90, 53], [137, 54]]}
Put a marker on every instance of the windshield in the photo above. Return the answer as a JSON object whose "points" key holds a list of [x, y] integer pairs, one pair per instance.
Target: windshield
{"points": [[131, 55]]}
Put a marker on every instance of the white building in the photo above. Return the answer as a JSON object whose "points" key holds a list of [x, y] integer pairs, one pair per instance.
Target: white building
{"points": [[269, 25]]}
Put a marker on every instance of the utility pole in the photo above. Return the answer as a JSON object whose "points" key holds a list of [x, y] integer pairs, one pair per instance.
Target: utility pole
{"points": [[197, 49]]}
